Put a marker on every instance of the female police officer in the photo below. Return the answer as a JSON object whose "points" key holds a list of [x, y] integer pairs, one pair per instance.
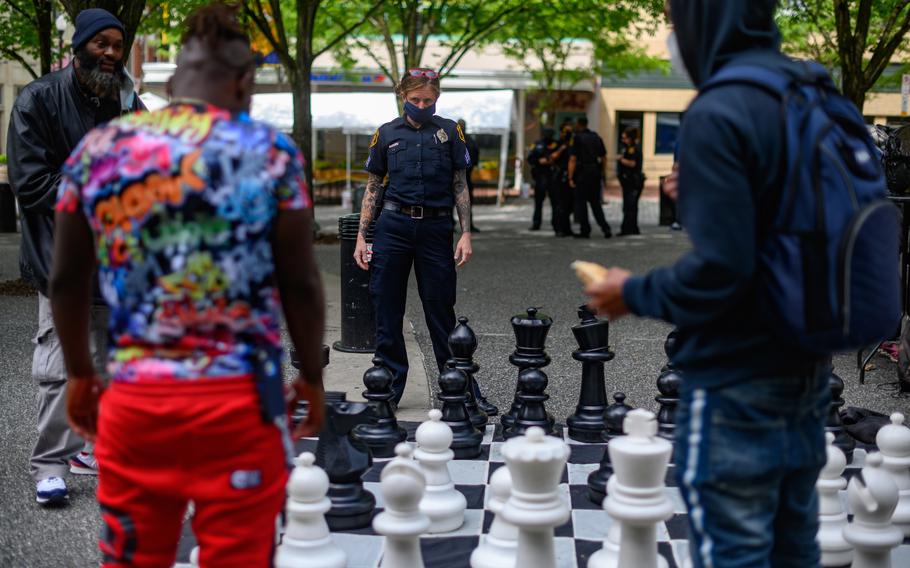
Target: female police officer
{"points": [[425, 158]]}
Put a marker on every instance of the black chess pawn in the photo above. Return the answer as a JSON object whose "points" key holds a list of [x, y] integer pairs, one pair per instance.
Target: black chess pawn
{"points": [[532, 383], [466, 438], [530, 330], [345, 459], [668, 384], [463, 344], [613, 418], [382, 433], [842, 439], [593, 336]]}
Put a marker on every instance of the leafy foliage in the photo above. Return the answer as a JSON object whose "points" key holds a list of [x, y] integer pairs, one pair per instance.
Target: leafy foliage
{"points": [[26, 36], [856, 38]]}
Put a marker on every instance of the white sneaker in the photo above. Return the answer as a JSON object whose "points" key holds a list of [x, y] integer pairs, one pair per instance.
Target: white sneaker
{"points": [[84, 464], [51, 491]]}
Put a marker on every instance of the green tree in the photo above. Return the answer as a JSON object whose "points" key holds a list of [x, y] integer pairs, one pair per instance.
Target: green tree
{"points": [[298, 32], [129, 12], [562, 42], [28, 34], [856, 38]]}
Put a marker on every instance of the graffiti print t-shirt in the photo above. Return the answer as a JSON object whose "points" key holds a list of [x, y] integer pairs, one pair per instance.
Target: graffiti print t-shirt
{"points": [[182, 203]]}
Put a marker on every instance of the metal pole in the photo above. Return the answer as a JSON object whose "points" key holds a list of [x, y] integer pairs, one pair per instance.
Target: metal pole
{"points": [[520, 137], [347, 161], [503, 156]]}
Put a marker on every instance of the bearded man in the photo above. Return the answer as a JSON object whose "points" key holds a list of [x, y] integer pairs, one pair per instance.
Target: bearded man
{"points": [[49, 118]]}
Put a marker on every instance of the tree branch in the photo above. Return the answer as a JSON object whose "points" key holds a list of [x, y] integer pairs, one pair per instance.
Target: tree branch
{"points": [[22, 61], [32, 19], [483, 29], [882, 54], [347, 31]]}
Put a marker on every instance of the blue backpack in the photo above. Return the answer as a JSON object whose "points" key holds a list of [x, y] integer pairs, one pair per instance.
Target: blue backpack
{"points": [[828, 269]]}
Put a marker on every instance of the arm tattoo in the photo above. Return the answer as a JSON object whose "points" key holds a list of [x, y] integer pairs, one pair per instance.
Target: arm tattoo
{"points": [[463, 200], [370, 196]]}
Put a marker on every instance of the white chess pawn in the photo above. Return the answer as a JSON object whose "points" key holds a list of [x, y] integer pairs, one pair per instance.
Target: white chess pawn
{"points": [[873, 498], [831, 515], [307, 541], [499, 548], [638, 500], [442, 503], [536, 462], [401, 523], [893, 441]]}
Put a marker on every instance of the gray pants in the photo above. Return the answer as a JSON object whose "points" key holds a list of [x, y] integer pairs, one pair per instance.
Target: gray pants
{"points": [[56, 441]]}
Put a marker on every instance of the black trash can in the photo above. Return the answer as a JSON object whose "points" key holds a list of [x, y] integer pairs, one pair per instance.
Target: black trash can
{"points": [[7, 209], [358, 323]]}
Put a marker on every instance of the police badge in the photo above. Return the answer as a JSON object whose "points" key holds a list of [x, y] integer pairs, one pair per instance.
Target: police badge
{"points": [[442, 136]]}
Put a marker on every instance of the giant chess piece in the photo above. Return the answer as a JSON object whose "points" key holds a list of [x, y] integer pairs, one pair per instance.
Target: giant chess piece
{"points": [[345, 459], [382, 433], [894, 442], [531, 386], [463, 344], [307, 541], [442, 503], [842, 439], [303, 407], [613, 418], [637, 500], [530, 331], [401, 523], [831, 515], [668, 385], [466, 438], [536, 462], [873, 497], [499, 547], [593, 336]]}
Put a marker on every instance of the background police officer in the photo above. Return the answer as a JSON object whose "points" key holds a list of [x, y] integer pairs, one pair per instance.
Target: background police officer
{"points": [[562, 194], [632, 180], [542, 172], [586, 173], [426, 159]]}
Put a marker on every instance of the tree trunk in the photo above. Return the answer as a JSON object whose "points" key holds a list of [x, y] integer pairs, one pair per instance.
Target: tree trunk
{"points": [[303, 116], [853, 87], [45, 29]]}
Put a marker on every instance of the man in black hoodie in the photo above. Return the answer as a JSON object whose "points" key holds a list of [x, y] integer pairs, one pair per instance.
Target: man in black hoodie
{"points": [[750, 426]]}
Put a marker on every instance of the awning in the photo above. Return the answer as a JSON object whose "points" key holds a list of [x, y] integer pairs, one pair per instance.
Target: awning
{"points": [[484, 112], [352, 113]]}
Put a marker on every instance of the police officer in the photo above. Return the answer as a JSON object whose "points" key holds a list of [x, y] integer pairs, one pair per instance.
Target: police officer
{"points": [[542, 172], [561, 193], [632, 180], [587, 162], [425, 158]]}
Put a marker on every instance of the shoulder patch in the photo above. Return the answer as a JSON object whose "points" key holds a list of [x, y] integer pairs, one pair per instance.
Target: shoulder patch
{"points": [[375, 138], [460, 132]]}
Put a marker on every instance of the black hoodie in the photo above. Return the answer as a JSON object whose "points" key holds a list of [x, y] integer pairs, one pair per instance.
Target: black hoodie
{"points": [[731, 156]]}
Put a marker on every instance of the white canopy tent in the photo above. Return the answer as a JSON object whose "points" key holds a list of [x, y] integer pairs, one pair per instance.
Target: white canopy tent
{"points": [[485, 112]]}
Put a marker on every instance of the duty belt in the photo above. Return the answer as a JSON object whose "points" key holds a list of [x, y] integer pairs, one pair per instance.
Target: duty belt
{"points": [[417, 211]]}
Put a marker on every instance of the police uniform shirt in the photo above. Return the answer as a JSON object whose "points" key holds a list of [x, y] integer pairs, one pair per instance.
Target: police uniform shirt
{"points": [[541, 149], [587, 147], [421, 163], [631, 152]]}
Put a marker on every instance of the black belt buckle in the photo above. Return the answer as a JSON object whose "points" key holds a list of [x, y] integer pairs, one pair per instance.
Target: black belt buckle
{"points": [[415, 214]]}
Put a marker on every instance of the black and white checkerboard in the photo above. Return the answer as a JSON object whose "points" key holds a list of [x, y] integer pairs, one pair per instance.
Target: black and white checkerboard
{"points": [[576, 540]]}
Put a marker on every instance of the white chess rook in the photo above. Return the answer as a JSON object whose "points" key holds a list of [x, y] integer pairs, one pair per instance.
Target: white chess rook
{"points": [[401, 523], [307, 541], [499, 548], [894, 442], [873, 498], [831, 515], [637, 499], [536, 462], [442, 503]]}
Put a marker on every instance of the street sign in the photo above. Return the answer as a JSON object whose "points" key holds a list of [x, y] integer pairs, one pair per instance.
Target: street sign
{"points": [[905, 96]]}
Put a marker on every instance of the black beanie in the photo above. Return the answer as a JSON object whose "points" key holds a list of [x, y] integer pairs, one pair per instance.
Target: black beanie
{"points": [[90, 22]]}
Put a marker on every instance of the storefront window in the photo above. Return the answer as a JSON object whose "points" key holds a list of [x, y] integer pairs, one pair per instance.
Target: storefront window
{"points": [[667, 131]]}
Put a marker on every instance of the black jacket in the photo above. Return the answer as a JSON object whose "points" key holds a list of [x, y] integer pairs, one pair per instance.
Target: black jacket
{"points": [[49, 118]]}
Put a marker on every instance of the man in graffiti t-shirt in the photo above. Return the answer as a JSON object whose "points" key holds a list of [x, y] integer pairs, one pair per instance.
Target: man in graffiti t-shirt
{"points": [[197, 216]]}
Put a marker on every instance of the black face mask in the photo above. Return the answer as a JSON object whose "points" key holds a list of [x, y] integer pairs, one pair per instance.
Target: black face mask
{"points": [[99, 83]]}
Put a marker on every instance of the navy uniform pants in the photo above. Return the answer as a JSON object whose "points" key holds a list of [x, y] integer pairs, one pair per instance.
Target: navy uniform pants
{"points": [[588, 194], [398, 243]]}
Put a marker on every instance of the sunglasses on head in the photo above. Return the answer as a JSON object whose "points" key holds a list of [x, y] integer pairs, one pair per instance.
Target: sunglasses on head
{"points": [[428, 73]]}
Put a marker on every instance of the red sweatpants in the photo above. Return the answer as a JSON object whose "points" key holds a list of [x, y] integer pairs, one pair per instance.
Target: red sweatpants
{"points": [[162, 445]]}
